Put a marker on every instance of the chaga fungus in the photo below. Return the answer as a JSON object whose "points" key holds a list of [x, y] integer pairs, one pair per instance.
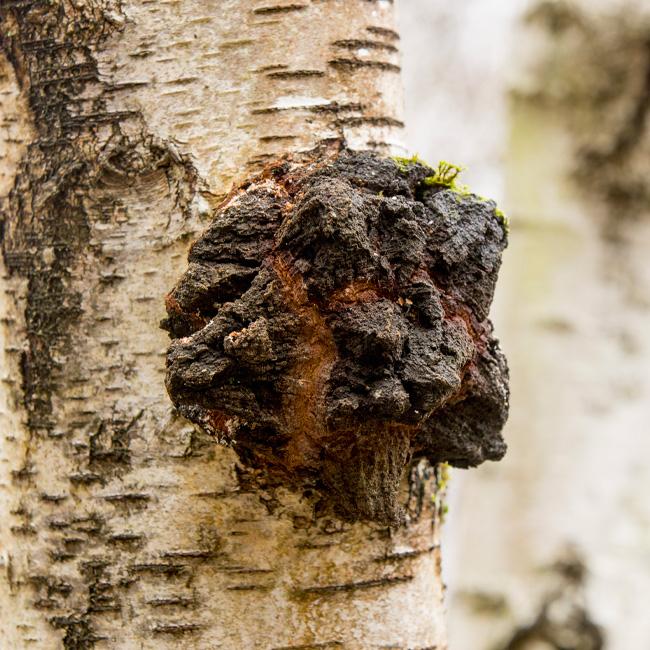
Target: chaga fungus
{"points": [[333, 326]]}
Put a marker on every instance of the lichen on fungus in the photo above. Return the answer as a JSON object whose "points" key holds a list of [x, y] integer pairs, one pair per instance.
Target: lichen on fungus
{"points": [[446, 175], [333, 327]]}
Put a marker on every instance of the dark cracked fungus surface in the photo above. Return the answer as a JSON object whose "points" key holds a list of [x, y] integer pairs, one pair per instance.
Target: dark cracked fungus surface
{"points": [[333, 327]]}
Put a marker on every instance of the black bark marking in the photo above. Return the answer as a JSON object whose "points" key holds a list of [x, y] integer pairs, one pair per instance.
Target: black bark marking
{"points": [[86, 478], [78, 633], [279, 9], [382, 31], [312, 646], [356, 43], [370, 120], [176, 629], [53, 498], [174, 601], [354, 64], [295, 74], [154, 568], [275, 138], [128, 540], [347, 587], [127, 497]]}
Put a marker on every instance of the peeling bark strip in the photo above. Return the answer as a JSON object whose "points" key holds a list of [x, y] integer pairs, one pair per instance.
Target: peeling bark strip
{"points": [[333, 326]]}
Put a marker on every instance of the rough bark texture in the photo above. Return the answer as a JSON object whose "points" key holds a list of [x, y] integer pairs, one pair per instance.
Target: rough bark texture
{"points": [[123, 526], [332, 326]]}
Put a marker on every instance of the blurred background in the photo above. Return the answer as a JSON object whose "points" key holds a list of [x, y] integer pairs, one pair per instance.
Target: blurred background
{"points": [[547, 103]]}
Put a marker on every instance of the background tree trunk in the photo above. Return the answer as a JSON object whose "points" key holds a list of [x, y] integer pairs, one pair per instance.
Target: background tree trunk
{"points": [[122, 526], [554, 539]]}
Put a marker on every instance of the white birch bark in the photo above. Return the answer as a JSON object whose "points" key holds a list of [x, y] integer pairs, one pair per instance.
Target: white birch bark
{"points": [[121, 526]]}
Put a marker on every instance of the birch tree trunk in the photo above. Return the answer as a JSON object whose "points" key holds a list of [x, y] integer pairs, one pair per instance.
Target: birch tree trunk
{"points": [[122, 526]]}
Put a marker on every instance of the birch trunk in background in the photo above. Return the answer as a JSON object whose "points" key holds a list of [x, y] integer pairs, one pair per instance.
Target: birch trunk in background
{"points": [[549, 549], [123, 125]]}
